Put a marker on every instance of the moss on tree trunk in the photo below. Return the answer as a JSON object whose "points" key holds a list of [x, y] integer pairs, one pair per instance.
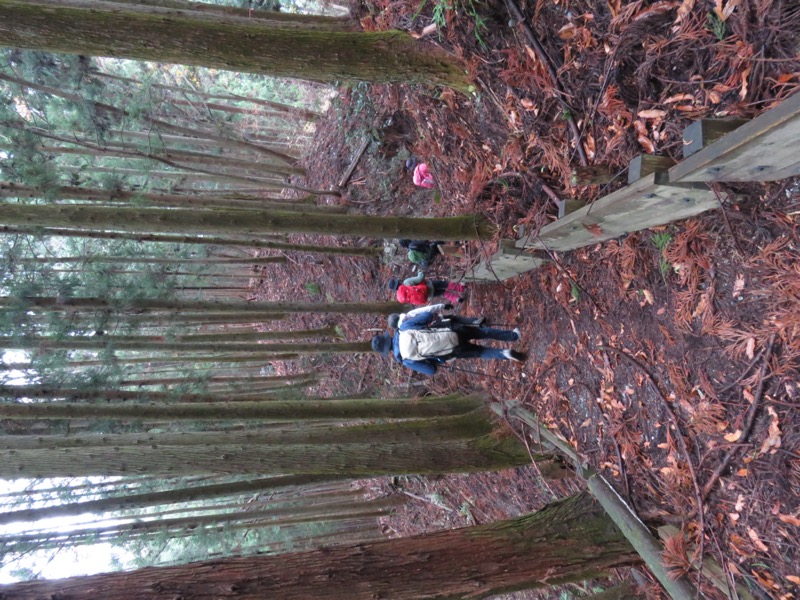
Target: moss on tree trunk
{"points": [[292, 48], [240, 222]]}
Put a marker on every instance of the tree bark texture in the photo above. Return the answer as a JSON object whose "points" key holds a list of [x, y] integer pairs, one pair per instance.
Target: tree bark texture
{"points": [[285, 347], [277, 410], [241, 222], [357, 460], [146, 306], [370, 251], [567, 541], [471, 425], [296, 48]]}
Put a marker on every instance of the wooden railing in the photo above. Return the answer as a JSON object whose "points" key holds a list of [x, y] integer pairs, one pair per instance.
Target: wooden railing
{"points": [[660, 191]]}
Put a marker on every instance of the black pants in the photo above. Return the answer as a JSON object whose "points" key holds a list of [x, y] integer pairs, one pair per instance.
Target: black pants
{"points": [[467, 333]]}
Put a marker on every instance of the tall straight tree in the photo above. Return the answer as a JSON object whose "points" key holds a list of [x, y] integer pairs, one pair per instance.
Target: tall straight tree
{"points": [[567, 541], [302, 47], [196, 239], [241, 222], [142, 306]]}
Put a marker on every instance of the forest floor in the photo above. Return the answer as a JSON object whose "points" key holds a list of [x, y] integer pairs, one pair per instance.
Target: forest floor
{"points": [[706, 311]]}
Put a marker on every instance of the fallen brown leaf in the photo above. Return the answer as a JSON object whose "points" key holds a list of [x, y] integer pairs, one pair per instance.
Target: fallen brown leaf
{"points": [[680, 97], [567, 32], [750, 348], [753, 535], [740, 545], [744, 88], [773, 440], [646, 144], [734, 437], [594, 229], [653, 113], [790, 520], [765, 580], [529, 51], [738, 285]]}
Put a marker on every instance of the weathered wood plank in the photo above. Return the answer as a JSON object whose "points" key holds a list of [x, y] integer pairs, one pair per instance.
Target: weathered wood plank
{"points": [[704, 132], [648, 202], [764, 149], [509, 261], [349, 173], [645, 164], [570, 205]]}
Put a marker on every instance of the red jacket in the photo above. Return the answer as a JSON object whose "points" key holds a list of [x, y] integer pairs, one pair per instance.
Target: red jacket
{"points": [[413, 294]]}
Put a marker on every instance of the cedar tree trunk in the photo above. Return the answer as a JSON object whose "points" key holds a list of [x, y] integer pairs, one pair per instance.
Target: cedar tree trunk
{"points": [[302, 48], [567, 541], [240, 222]]}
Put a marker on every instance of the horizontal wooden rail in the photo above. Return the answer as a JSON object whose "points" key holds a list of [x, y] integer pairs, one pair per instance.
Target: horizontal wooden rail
{"points": [[660, 192], [617, 509], [764, 149], [651, 201]]}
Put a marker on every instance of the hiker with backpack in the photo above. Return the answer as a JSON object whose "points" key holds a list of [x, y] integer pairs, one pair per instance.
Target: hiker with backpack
{"points": [[422, 252], [394, 320], [424, 348], [418, 290]]}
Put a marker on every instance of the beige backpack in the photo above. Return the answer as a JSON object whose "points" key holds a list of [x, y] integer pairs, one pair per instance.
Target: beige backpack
{"points": [[417, 344]]}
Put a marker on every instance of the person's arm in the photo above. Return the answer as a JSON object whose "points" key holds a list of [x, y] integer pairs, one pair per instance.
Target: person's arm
{"points": [[434, 308], [416, 280], [420, 320], [421, 366]]}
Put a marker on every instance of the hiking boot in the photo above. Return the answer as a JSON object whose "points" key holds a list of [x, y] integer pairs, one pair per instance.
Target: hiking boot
{"points": [[518, 332], [519, 357]]}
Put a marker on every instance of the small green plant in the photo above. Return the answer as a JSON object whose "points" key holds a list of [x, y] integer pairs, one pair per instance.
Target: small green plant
{"points": [[575, 291], [716, 26], [437, 500], [441, 8], [661, 240], [313, 288]]}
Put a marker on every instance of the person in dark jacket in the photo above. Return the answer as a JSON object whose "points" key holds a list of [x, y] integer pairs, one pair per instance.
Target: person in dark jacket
{"points": [[422, 348], [422, 252]]}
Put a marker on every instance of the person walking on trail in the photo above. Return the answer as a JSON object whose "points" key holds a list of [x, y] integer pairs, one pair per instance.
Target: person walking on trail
{"points": [[422, 252], [394, 320], [422, 348], [418, 291], [421, 174]]}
